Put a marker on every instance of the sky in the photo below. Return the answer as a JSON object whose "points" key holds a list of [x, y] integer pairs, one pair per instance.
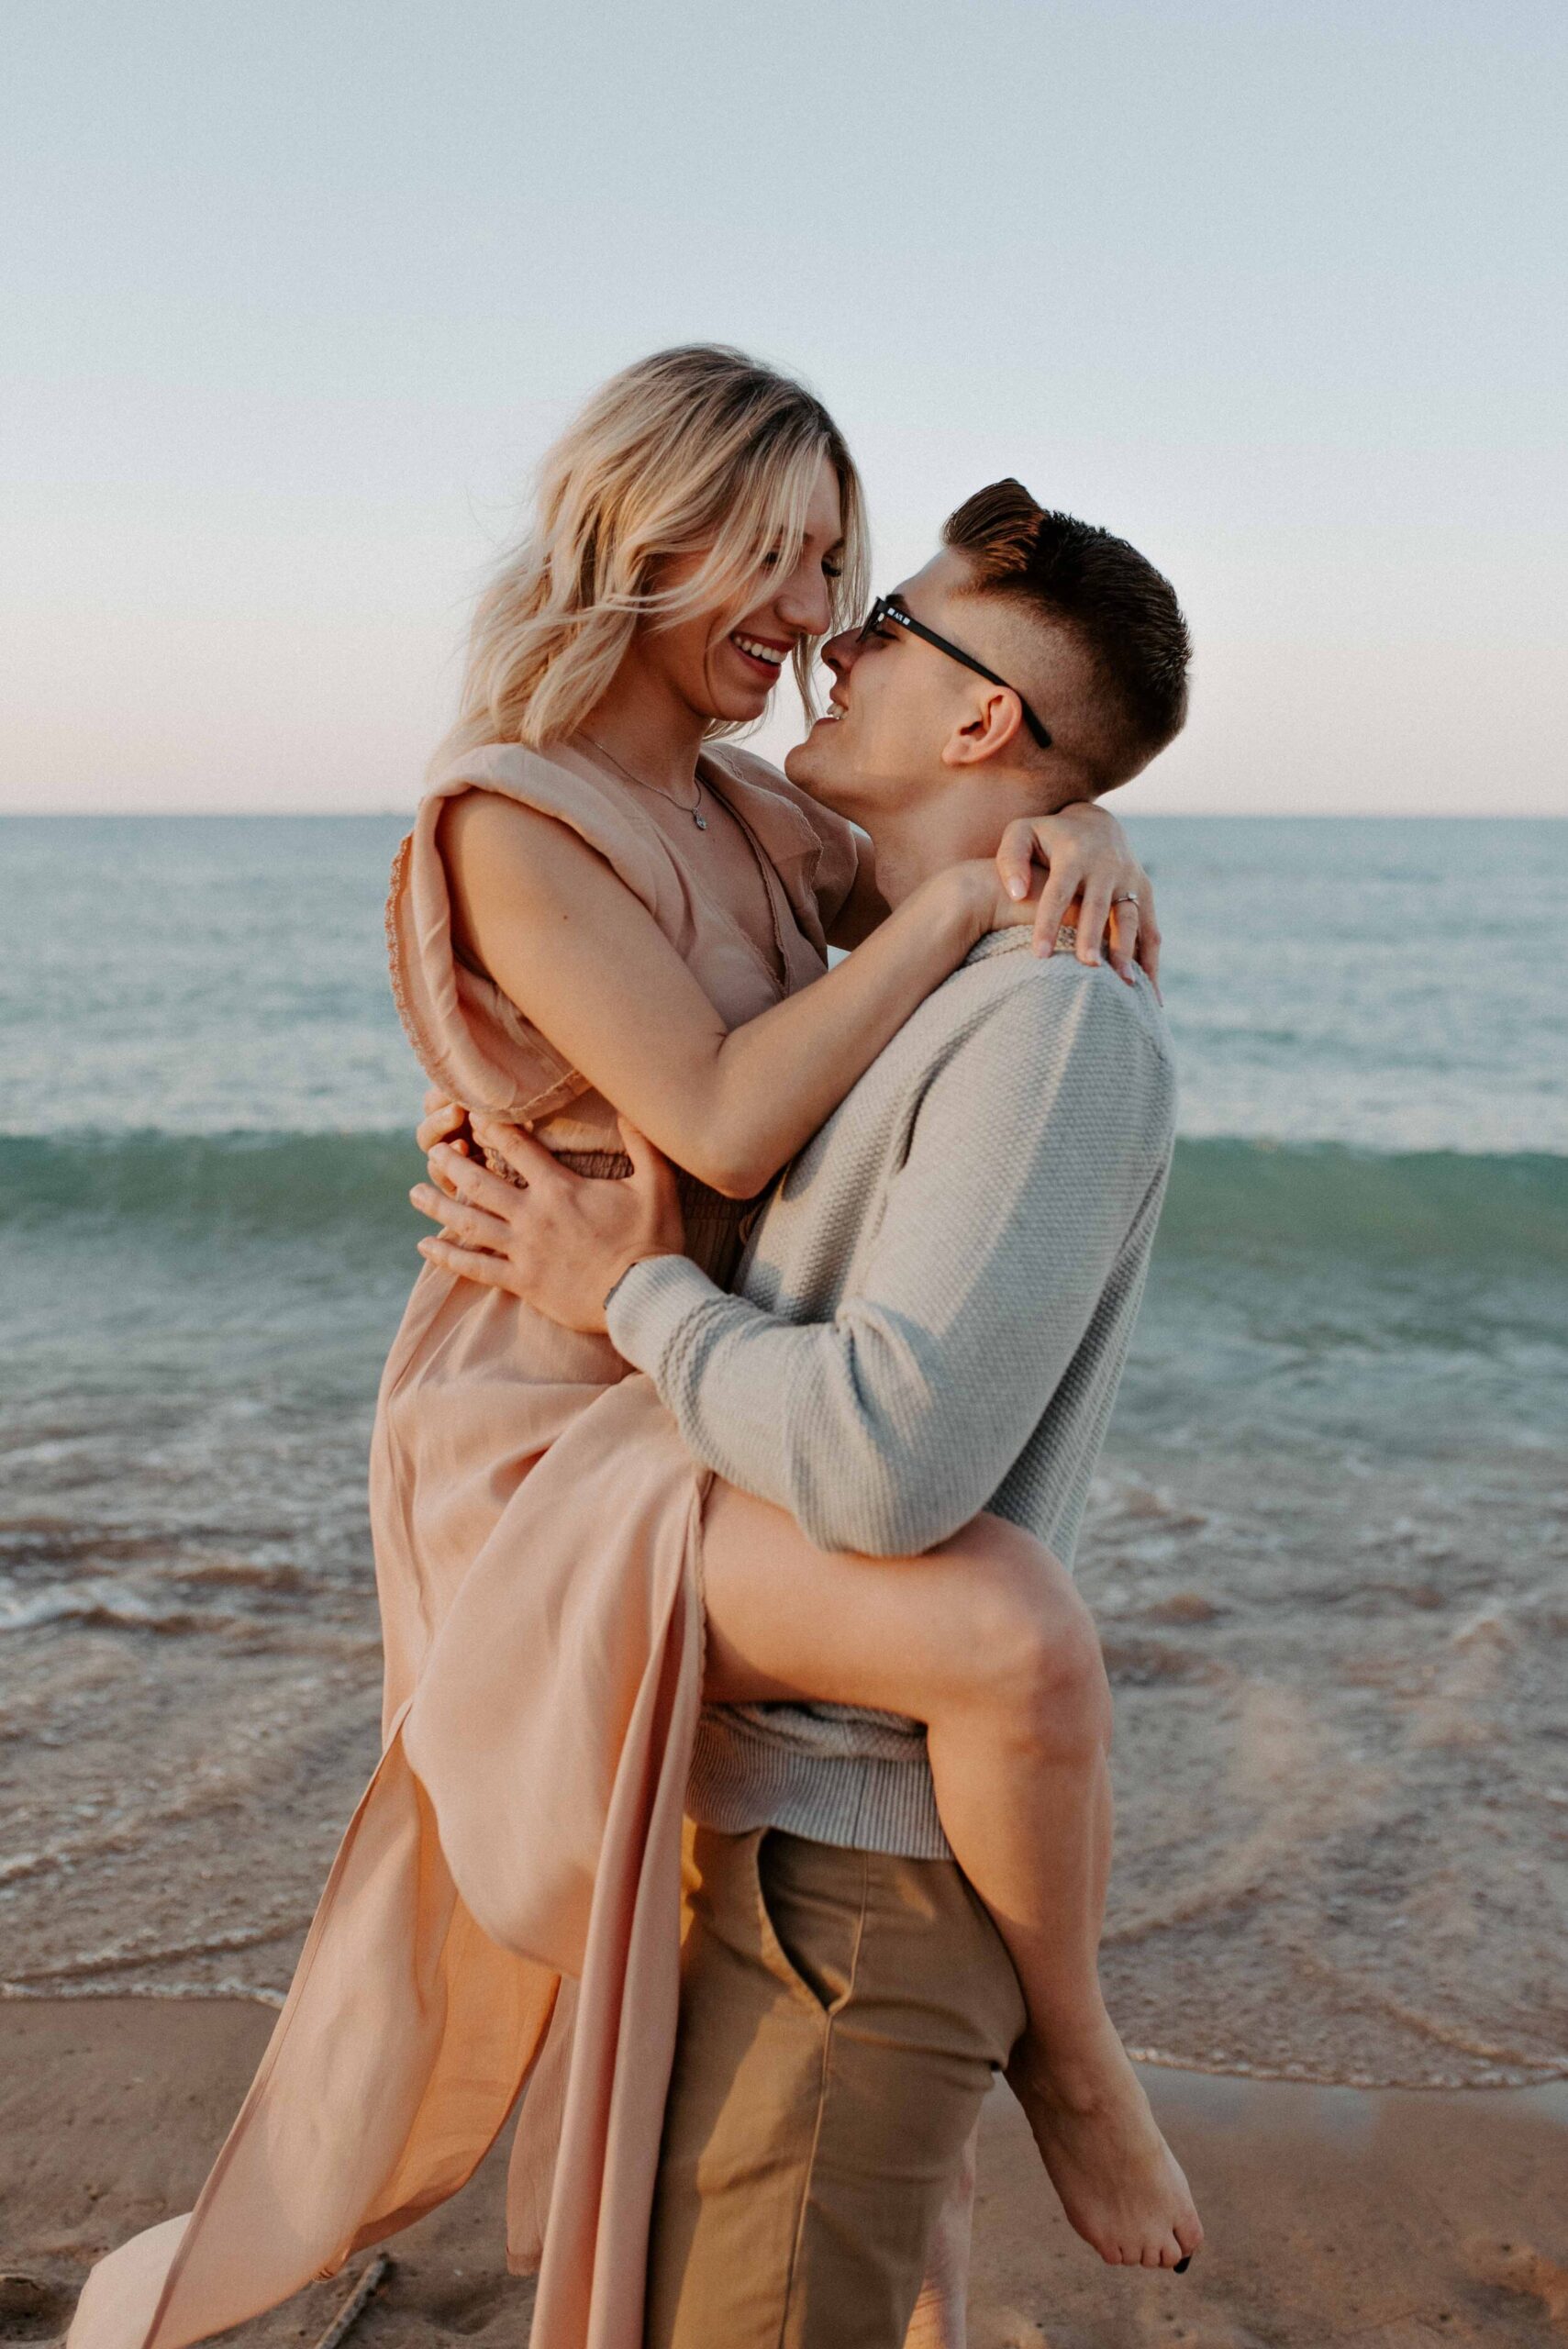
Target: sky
{"points": [[295, 297]]}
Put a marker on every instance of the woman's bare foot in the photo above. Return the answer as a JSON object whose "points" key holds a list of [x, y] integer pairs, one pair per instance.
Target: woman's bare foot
{"points": [[1119, 2183]]}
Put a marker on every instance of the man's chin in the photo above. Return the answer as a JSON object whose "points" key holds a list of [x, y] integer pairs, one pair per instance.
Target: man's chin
{"points": [[812, 764]]}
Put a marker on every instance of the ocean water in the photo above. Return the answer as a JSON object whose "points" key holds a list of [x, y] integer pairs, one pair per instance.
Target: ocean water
{"points": [[1327, 1548]]}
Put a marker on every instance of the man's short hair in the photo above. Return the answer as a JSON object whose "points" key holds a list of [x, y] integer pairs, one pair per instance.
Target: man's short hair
{"points": [[1121, 610]]}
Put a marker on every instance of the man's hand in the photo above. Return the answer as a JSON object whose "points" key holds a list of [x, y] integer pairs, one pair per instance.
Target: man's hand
{"points": [[443, 1121], [563, 1242]]}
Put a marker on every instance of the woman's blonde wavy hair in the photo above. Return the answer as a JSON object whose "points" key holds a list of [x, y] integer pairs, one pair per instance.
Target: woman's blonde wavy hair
{"points": [[697, 450]]}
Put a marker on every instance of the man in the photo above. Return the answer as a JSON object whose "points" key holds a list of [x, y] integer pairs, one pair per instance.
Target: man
{"points": [[929, 1323]]}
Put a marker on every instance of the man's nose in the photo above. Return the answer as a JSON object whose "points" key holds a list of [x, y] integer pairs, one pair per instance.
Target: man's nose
{"points": [[840, 651]]}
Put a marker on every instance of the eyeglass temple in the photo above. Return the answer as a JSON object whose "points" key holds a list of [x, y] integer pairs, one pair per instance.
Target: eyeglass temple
{"points": [[884, 609]]}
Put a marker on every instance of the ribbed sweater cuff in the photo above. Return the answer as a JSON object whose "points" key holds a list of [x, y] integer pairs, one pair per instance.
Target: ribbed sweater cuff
{"points": [[648, 1305]]}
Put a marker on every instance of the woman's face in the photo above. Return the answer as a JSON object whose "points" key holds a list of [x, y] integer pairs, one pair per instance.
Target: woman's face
{"points": [[728, 673]]}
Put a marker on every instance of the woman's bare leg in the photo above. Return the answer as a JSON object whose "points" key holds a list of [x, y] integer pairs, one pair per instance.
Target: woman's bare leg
{"points": [[987, 1641]]}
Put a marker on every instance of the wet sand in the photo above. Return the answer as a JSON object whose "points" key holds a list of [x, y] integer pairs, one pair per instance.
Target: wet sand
{"points": [[1394, 2219]]}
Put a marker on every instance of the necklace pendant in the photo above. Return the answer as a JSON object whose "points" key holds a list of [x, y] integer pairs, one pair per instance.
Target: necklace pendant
{"points": [[700, 821]]}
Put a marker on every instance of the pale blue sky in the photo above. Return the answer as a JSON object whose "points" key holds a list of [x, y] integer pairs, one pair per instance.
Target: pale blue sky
{"points": [[294, 293]]}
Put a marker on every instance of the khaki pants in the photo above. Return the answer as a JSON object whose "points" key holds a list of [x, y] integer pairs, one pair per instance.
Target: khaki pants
{"points": [[841, 2014]]}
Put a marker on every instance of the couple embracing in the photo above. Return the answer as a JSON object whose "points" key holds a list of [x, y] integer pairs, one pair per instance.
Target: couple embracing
{"points": [[743, 1802]]}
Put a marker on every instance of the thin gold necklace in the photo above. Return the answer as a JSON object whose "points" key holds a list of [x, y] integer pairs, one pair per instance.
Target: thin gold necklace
{"points": [[700, 820]]}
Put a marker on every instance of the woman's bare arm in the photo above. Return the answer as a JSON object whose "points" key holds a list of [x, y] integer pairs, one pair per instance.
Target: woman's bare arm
{"points": [[583, 959], [1091, 868]]}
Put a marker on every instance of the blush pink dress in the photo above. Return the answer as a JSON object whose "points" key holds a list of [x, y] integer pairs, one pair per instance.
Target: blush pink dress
{"points": [[503, 1915]]}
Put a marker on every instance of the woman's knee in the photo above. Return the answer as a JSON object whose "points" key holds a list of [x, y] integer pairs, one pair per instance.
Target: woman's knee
{"points": [[1031, 1652]]}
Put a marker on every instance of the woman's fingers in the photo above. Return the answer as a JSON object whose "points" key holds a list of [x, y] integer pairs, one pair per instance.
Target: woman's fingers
{"points": [[1121, 940], [1061, 885], [1149, 938], [1091, 918], [1015, 859]]}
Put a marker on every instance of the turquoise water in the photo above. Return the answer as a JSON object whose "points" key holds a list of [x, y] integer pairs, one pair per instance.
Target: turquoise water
{"points": [[1327, 1550], [1395, 984]]}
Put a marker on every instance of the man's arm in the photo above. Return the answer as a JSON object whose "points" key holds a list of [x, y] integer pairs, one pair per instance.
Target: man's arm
{"points": [[1034, 1150]]}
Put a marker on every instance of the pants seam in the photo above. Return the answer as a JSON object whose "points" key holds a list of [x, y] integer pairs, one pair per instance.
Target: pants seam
{"points": [[830, 2018]]}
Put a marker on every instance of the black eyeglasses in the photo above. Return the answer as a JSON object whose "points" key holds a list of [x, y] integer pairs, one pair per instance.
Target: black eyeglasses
{"points": [[888, 607]]}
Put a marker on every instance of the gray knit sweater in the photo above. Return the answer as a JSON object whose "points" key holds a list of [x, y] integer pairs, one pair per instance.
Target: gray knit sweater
{"points": [[931, 1320]]}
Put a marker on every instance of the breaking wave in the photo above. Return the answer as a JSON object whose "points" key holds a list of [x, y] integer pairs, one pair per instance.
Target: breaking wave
{"points": [[1250, 1201]]}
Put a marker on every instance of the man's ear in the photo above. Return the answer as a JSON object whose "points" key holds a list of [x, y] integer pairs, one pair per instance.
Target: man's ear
{"points": [[993, 723]]}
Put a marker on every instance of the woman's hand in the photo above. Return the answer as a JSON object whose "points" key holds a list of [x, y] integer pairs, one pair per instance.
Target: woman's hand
{"points": [[1088, 858]]}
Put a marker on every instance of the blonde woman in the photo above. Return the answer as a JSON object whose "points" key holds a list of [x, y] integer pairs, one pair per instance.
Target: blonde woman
{"points": [[605, 909]]}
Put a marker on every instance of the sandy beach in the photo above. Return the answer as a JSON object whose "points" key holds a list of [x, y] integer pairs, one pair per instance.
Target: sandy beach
{"points": [[1394, 2219]]}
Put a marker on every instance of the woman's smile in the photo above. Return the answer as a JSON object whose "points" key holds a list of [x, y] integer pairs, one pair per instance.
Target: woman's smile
{"points": [[764, 655]]}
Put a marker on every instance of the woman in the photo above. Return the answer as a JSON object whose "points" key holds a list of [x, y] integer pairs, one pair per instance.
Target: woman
{"points": [[592, 871]]}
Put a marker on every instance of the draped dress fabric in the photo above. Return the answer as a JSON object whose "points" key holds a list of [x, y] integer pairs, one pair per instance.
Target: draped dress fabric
{"points": [[503, 1915]]}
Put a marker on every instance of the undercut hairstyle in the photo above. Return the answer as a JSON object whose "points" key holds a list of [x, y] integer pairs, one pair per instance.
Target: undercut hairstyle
{"points": [[1122, 612]]}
